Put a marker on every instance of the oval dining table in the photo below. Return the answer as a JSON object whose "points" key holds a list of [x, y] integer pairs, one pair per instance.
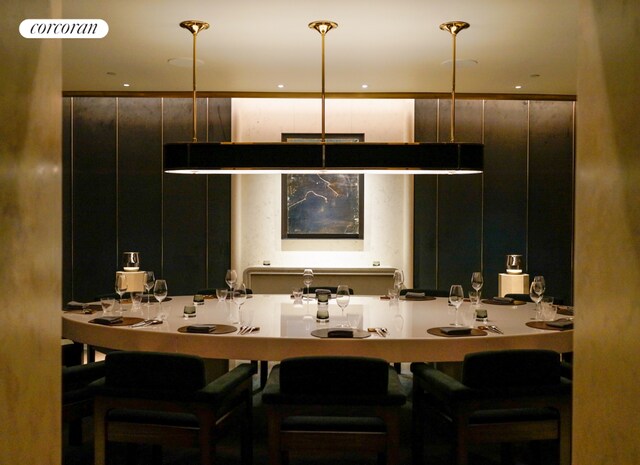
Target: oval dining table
{"points": [[286, 329]]}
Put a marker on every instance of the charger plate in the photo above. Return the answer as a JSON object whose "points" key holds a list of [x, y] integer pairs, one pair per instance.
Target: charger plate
{"points": [[474, 332], [126, 321], [220, 329], [324, 333]]}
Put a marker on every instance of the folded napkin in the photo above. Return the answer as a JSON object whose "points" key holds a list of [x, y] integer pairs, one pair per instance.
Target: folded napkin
{"points": [[453, 330], [76, 305], [414, 295], [561, 324], [202, 328], [503, 299], [107, 320], [347, 333]]}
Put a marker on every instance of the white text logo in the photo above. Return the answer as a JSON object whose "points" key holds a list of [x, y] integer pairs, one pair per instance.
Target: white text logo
{"points": [[64, 28]]}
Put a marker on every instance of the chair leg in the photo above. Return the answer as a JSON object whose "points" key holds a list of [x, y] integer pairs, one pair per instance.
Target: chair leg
{"points": [[417, 427], [393, 438], [273, 438], [264, 373], [99, 435], [246, 435]]}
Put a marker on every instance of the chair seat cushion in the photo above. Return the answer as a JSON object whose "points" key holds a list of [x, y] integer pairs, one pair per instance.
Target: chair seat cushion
{"points": [[153, 417], [513, 415], [308, 423]]}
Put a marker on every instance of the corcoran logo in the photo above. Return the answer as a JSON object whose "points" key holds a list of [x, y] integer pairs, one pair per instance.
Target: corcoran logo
{"points": [[64, 28]]}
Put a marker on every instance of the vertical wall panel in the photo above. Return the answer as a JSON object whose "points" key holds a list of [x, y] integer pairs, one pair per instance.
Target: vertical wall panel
{"points": [[95, 257], [425, 193], [67, 197], [218, 199], [140, 179], [459, 203], [505, 178], [551, 195], [184, 207]]}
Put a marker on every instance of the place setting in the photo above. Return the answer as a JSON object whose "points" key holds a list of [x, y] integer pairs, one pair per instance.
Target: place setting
{"points": [[463, 326]]}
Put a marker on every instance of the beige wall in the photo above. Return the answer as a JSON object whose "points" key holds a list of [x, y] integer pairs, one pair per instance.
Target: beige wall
{"points": [[388, 199], [607, 263], [30, 239]]}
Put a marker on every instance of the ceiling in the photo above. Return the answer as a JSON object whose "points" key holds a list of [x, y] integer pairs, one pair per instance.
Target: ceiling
{"points": [[392, 46]]}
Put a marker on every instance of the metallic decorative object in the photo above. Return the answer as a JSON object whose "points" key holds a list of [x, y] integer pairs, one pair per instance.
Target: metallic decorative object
{"points": [[514, 264], [130, 261], [453, 27], [330, 157], [194, 26]]}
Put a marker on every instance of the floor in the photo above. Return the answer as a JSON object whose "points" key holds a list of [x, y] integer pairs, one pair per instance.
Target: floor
{"points": [[438, 450]]}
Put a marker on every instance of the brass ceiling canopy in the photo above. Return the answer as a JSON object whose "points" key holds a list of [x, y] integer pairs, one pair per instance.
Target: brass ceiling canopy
{"points": [[194, 26], [332, 157]]}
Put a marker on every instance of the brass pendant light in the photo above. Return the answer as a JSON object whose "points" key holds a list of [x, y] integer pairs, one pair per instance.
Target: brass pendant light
{"points": [[334, 157], [453, 27]]}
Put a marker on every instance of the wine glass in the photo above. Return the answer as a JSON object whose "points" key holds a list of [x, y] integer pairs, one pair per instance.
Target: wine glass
{"points": [[307, 279], [149, 281], [477, 281], [456, 297], [160, 291], [342, 298], [121, 287], [239, 297], [231, 278], [536, 292], [398, 280]]}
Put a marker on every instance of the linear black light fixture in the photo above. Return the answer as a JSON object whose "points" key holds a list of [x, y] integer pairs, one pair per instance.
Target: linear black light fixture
{"points": [[333, 157]]}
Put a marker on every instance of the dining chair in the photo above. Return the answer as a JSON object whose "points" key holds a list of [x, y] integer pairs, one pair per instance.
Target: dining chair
{"points": [[163, 399], [427, 292], [333, 289], [333, 403], [527, 298], [503, 397], [77, 397]]}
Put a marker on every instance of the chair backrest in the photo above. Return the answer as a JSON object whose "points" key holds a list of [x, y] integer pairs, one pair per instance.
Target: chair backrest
{"points": [[212, 291], [154, 371], [517, 368], [334, 376], [333, 289], [427, 292]]}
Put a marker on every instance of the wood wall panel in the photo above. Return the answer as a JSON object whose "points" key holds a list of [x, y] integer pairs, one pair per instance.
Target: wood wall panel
{"points": [[425, 191], [184, 208], [460, 203], [505, 195], [551, 195], [95, 256], [140, 180], [116, 196]]}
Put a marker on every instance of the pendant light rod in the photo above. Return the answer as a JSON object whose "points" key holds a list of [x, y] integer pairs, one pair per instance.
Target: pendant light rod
{"points": [[453, 27], [194, 26], [323, 27]]}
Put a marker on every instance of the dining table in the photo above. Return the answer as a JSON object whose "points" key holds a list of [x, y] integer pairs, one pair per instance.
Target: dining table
{"points": [[397, 330]]}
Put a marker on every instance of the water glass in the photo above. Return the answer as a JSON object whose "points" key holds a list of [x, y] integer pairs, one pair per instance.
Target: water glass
{"points": [[468, 316], [393, 293], [548, 311], [246, 316], [136, 300], [221, 294], [107, 305], [474, 298], [297, 295], [353, 319]]}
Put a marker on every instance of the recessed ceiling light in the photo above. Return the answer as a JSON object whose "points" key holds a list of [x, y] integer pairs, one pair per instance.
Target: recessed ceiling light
{"points": [[518, 87], [184, 62], [365, 86], [126, 84], [280, 86]]}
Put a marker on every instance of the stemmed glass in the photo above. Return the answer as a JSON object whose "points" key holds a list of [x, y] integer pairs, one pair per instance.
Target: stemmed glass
{"points": [[160, 291], [477, 281], [456, 297], [149, 281], [239, 296], [307, 279], [536, 292], [231, 278], [398, 280], [342, 298], [121, 287]]}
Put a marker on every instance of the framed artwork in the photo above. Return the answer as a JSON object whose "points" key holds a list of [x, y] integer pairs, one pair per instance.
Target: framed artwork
{"points": [[322, 205]]}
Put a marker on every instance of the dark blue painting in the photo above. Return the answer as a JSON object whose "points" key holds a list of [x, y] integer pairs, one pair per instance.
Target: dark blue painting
{"points": [[323, 206]]}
